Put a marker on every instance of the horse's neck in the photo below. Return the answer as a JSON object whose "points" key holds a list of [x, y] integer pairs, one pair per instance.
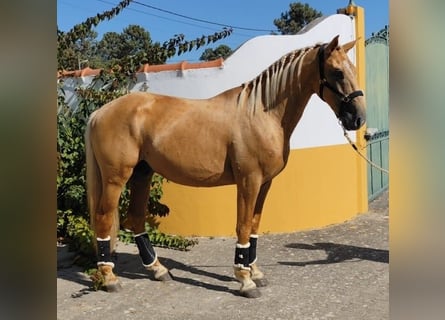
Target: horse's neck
{"points": [[292, 112], [291, 105]]}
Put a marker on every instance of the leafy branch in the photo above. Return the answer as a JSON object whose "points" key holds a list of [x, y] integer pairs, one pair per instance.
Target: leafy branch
{"points": [[178, 44], [72, 212], [79, 42], [81, 30]]}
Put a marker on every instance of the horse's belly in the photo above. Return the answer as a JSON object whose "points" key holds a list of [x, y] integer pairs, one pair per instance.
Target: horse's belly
{"points": [[203, 171], [189, 152], [196, 177]]}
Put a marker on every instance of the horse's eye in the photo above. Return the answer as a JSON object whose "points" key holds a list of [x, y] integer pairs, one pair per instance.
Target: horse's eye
{"points": [[338, 74]]}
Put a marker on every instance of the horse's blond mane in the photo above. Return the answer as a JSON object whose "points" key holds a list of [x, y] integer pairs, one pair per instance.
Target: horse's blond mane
{"points": [[269, 83]]}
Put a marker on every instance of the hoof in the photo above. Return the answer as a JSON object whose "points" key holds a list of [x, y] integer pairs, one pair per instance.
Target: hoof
{"points": [[252, 293], [165, 277], [113, 287], [160, 272], [261, 282]]}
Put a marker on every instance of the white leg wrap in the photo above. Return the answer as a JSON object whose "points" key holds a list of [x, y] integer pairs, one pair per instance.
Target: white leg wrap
{"points": [[105, 263], [243, 246], [140, 234], [103, 239]]}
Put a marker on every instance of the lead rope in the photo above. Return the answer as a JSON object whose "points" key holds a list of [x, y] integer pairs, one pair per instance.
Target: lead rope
{"points": [[359, 153]]}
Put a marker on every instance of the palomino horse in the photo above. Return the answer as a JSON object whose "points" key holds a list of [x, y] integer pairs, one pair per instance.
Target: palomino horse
{"points": [[240, 137]]}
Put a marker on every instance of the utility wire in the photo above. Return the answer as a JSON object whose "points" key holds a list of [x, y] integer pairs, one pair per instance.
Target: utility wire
{"points": [[181, 21], [162, 17], [202, 20]]}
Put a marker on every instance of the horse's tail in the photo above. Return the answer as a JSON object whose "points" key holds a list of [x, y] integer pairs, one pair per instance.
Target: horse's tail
{"points": [[94, 187]]}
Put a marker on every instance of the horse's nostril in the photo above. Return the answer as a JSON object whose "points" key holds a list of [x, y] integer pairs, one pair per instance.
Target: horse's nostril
{"points": [[358, 122]]}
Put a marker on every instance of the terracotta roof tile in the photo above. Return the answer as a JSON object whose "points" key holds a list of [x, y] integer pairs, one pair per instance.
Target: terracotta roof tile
{"points": [[146, 68], [85, 72]]}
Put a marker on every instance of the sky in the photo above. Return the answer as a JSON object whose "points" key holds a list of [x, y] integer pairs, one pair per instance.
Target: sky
{"points": [[249, 18]]}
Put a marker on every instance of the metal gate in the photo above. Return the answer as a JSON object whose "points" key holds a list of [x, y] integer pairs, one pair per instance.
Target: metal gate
{"points": [[377, 99]]}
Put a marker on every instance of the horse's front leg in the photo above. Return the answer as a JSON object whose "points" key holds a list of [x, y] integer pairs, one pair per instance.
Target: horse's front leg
{"points": [[246, 196], [255, 273]]}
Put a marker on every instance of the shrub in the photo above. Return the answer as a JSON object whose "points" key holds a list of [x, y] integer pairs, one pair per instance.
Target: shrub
{"points": [[72, 211]]}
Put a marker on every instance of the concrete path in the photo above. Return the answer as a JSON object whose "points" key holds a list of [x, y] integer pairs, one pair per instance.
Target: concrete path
{"points": [[338, 272]]}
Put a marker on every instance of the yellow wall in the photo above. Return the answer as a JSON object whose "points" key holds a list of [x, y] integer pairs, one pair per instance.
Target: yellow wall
{"points": [[318, 187], [362, 193]]}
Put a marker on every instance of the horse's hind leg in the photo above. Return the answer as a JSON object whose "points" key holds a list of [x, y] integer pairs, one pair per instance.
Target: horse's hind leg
{"points": [[105, 225], [139, 194], [256, 275]]}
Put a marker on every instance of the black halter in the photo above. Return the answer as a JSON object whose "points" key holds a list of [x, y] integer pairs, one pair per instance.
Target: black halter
{"points": [[324, 82]]}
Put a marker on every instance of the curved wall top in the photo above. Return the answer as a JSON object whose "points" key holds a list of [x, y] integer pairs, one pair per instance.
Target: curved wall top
{"points": [[324, 181], [318, 126], [246, 62]]}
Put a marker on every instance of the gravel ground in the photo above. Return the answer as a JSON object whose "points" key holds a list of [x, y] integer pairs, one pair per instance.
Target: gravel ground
{"points": [[338, 272]]}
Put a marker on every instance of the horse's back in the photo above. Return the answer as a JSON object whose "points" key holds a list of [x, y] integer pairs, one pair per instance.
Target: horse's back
{"points": [[124, 105], [185, 140]]}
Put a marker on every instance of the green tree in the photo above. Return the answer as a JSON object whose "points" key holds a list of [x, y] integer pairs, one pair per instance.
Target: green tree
{"points": [[222, 51], [134, 43], [126, 51], [108, 48], [136, 47], [70, 57], [298, 16], [72, 211]]}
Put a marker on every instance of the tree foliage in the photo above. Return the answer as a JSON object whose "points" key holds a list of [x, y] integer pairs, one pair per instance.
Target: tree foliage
{"points": [[178, 44], [222, 51], [133, 43], [72, 210], [68, 41], [122, 53], [298, 16], [132, 47]]}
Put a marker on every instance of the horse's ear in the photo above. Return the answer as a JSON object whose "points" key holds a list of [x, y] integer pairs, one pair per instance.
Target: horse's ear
{"points": [[331, 46], [348, 46]]}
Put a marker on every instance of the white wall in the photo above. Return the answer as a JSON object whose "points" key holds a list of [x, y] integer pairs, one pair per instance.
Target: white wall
{"points": [[318, 126]]}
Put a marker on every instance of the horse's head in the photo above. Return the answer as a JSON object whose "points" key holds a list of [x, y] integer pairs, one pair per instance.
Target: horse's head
{"points": [[338, 84]]}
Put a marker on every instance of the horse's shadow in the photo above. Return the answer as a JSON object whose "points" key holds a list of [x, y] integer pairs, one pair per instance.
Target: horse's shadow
{"points": [[129, 266], [137, 271], [337, 253]]}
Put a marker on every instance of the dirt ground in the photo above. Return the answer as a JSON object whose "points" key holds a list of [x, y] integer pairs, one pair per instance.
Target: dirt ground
{"points": [[338, 272]]}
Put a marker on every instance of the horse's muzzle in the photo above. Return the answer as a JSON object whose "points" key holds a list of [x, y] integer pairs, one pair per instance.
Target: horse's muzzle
{"points": [[352, 120]]}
